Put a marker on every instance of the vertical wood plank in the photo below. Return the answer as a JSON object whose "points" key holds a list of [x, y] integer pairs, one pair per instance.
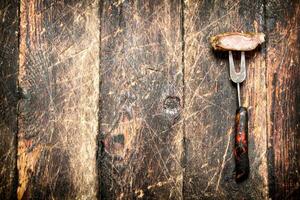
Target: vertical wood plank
{"points": [[211, 102], [9, 26], [141, 99], [283, 60], [59, 78]]}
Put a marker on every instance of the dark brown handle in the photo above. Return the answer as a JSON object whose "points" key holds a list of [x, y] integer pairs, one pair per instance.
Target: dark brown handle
{"points": [[241, 145]]}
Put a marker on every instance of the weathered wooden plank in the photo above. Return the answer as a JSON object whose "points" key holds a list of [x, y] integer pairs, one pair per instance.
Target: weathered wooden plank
{"points": [[9, 23], [59, 79], [283, 94], [141, 99], [211, 102]]}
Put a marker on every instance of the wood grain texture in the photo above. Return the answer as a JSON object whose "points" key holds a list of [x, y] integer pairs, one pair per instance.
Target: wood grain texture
{"points": [[59, 80], [9, 26], [141, 99], [211, 102], [141, 107], [283, 60]]}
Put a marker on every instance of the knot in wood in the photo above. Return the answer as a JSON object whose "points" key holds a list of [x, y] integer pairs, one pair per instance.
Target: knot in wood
{"points": [[172, 106], [23, 93]]}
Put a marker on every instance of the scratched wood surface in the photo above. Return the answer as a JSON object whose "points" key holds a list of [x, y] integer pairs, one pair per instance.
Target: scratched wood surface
{"points": [[141, 97], [211, 102], [283, 60], [8, 97], [58, 112], [124, 99]]}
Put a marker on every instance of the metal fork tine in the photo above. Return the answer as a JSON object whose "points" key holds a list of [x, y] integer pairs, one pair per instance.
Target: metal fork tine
{"points": [[237, 77], [243, 66], [231, 65]]}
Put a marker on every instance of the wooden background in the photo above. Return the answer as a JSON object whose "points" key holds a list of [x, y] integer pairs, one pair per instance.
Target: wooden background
{"points": [[120, 99]]}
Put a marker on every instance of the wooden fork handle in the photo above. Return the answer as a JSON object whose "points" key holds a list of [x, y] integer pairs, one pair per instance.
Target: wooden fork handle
{"points": [[241, 145]]}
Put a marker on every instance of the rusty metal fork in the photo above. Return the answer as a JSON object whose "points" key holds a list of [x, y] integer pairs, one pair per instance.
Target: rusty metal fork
{"points": [[238, 77]]}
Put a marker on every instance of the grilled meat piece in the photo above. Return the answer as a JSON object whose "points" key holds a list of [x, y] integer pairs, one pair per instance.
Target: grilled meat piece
{"points": [[234, 41]]}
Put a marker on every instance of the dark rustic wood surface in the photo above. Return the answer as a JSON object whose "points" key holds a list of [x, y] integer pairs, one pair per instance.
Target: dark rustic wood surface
{"points": [[9, 22], [58, 112], [141, 97], [123, 99], [211, 103], [283, 98]]}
